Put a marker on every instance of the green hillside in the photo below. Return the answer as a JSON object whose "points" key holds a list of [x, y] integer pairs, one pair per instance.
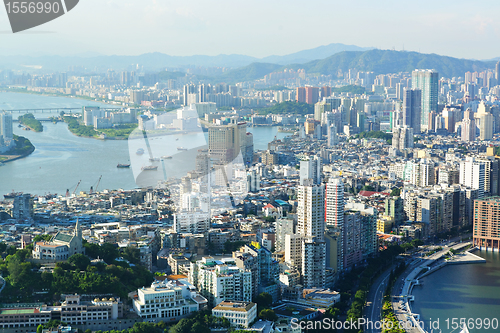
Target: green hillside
{"points": [[387, 61]]}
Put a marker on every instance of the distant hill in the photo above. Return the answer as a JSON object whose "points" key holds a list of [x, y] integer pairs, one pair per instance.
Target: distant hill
{"points": [[387, 61], [254, 71], [157, 61], [316, 53]]}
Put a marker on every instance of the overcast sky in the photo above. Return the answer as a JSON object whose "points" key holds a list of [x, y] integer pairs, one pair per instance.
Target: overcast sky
{"points": [[463, 29]]}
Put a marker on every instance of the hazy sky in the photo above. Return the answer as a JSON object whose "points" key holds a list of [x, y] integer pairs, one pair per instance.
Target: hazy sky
{"points": [[464, 29]]}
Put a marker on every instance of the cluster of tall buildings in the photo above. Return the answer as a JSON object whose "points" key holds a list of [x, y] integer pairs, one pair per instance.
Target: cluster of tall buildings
{"points": [[328, 236]]}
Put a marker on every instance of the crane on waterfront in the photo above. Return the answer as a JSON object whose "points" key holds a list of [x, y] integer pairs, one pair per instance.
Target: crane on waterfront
{"points": [[97, 185], [74, 191]]}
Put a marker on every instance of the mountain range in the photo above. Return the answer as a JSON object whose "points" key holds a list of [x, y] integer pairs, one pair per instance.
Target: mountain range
{"points": [[159, 61], [326, 60]]}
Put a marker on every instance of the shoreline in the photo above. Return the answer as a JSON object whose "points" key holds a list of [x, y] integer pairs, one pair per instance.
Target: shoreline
{"points": [[432, 265], [16, 157], [22, 91]]}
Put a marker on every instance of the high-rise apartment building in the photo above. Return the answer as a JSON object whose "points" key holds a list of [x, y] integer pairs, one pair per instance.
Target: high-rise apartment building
{"points": [[313, 263], [473, 175], [311, 169], [6, 131], [225, 142], [468, 127], [334, 215], [485, 121], [427, 81], [402, 137], [311, 210], [221, 280], [487, 223], [412, 108]]}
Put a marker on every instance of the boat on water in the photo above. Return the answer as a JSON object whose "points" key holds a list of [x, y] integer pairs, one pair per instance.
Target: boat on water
{"points": [[182, 148], [12, 195], [167, 157], [140, 151], [123, 165], [154, 159], [149, 168]]}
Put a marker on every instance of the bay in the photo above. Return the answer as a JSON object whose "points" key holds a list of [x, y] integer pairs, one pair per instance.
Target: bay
{"points": [[61, 159], [461, 291]]}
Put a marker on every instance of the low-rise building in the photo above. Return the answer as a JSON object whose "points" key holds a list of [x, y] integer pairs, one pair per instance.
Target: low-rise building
{"points": [[167, 300], [239, 314]]}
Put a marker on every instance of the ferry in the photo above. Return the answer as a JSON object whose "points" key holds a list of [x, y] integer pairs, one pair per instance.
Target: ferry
{"points": [[123, 165], [12, 195], [140, 151], [149, 168], [182, 148]]}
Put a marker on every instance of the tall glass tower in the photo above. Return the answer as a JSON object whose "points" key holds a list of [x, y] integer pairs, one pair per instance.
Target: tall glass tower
{"points": [[427, 80]]}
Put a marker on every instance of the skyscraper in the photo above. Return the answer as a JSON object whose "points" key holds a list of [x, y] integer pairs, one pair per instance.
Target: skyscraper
{"points": [[310, 169], [485, 121], [412, 108], [312, 95], [311, 210], [402, 137], [334, 213], [225, 142], [486, 223], [313, 263], [468, 127], [473, 175], [6, 132], [427, 80], [334, 203]]}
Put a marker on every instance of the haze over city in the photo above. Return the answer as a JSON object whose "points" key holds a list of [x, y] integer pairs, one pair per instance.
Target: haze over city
{"points": [[261, 28]]}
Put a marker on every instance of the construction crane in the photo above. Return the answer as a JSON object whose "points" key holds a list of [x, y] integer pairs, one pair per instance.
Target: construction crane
{"points": [[74, 191], [97, 185]]}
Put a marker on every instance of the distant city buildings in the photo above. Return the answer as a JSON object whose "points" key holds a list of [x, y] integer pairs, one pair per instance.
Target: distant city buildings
{"points": [[6, 132]]}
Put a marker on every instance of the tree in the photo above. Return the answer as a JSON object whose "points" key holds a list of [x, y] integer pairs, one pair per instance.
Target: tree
{"points": [[199, 328], [91, 249], [183, 326], [264, 300], [395, 192], [79, 260], [44, 237], [132, 254], [268, 314], [109, 252], [39, 329]]}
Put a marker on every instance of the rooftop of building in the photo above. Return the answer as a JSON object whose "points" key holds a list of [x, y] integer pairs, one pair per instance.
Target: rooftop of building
{"points": [[235, 306]]}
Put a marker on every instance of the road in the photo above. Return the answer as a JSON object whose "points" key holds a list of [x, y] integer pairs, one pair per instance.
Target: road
{"points": [[374, 300]]}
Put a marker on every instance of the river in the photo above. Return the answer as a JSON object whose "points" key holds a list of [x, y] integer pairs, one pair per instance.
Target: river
{"points": [[61, 159], [461, 291]]}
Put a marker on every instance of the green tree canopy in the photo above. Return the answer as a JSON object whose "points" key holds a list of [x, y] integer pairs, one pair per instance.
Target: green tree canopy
{"points": [[81, 261]]}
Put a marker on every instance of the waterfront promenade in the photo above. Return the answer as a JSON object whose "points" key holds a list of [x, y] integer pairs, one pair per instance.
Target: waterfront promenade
{"points": [[419, 268]]}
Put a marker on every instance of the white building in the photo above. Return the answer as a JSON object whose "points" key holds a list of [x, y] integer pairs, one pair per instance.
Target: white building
{"points": [[239, 314], [195, 222], [311, 210], [167, 300], [310, 169], [473, 175], [220, 280]]}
